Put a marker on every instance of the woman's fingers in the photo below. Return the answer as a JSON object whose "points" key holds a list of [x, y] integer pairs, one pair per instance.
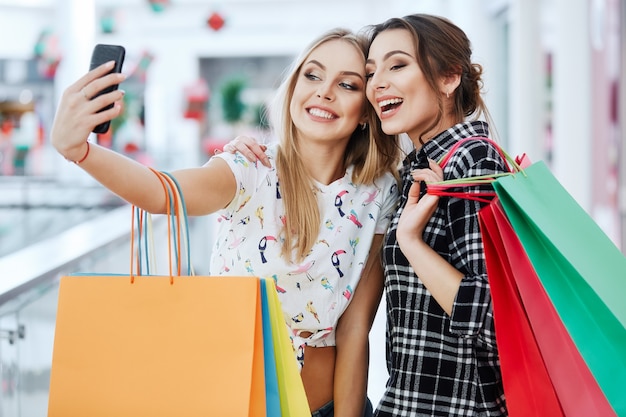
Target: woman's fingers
{"points": [[248, 147], [425, 175], [94, 87], [436, 168], [92, 75], [79, 112], [432, 174]]}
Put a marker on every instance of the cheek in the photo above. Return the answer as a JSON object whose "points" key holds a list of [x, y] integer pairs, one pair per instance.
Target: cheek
{"points": [[293, 105], [292, 114], [358, 108], [369, 93]]}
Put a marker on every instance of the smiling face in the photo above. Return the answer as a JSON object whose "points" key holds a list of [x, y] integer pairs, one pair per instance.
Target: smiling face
{"points": [[397, 88], [328, 101]]}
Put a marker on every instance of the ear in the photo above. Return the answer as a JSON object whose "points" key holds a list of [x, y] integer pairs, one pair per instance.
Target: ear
{"points": [[364, 116], [449, 83]]}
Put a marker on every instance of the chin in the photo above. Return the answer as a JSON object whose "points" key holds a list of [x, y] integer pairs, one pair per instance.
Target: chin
{"points": [[392, 128]]}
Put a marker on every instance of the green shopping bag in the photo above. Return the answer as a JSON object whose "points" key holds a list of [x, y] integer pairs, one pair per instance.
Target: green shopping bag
{"points": [[582, 271]]}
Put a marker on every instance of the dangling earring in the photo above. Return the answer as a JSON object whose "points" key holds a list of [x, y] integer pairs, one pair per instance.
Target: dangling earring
{"points": [[447, 94], [363, 126]]}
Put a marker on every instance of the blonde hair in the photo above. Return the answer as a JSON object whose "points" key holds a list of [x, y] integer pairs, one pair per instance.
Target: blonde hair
{"points": [[372, 153]]}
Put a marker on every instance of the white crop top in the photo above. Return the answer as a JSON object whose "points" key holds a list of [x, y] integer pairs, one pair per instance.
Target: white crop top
{"points": [[314, 293]]}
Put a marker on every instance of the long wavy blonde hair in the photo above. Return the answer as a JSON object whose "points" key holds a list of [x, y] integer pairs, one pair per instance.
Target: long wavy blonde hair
{"points": [[372, 152]]}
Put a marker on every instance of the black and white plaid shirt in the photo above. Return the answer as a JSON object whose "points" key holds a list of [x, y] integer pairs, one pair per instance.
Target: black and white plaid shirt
{"points": [[441, 365]]}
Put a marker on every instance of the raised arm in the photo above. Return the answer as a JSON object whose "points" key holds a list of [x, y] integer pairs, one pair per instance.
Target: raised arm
{"points": [[441, 278], [206, 189]]}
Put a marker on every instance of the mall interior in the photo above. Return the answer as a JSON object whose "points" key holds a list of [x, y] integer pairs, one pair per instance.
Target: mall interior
{"points": [[202, 72]]}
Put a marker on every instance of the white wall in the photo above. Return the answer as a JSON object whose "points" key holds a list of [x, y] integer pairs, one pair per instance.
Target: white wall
{"points": [[179, 35]]}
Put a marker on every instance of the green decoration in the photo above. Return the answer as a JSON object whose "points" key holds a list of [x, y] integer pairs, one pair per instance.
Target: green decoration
{"points": [[232, 103]]}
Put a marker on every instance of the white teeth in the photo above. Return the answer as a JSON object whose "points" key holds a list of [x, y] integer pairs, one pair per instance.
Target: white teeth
{"points": [[320, 113], [390, 101]]}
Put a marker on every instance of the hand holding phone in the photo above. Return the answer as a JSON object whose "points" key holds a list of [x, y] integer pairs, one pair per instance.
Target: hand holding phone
{"points": [[104, 53]]}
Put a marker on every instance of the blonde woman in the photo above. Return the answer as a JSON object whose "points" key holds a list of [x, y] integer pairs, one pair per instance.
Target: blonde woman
{"points": [[314, 222]]}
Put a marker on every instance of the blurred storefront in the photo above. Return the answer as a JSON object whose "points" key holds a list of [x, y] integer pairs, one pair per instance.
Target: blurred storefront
{"points": [[554, 74], [26, 106]]}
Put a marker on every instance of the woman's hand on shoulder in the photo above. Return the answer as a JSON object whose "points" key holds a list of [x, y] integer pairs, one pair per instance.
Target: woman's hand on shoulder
{"points": [[78, 112], [250, 148]]}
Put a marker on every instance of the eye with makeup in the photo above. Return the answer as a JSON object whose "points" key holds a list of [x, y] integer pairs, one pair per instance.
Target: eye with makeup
{"points": [[309, 75], [350, 85], [396, 64], [397, 67]]}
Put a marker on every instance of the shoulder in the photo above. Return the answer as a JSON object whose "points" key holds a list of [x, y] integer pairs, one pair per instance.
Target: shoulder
{"points": [[387, 182], [383, 182], [476, 154], [238, 162]]}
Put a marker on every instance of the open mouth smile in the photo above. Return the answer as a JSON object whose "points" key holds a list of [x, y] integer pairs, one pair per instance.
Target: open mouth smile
{"points": [[387, 105], [322, 114]]}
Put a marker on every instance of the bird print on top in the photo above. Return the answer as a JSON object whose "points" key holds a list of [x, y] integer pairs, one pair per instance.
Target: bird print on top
{"points": [[263, 246], [339, 202], [316, 291]]}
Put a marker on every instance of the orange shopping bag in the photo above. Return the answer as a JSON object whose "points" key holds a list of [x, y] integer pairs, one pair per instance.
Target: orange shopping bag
{"points": [[152, 348], [170, 345]]}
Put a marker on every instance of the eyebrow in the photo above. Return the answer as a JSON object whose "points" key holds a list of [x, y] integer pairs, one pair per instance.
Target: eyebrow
{"points": [[390, 54], [323, 67]]}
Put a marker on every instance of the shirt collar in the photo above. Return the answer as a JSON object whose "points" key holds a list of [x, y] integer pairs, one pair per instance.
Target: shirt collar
{"points": [[437, 147]]}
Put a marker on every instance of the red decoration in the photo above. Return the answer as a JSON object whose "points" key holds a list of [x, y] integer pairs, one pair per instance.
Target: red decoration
{"points": [[48, 53], [216, 21], [197, 97]]}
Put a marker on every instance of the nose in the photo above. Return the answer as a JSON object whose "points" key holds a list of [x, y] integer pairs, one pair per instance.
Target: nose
{"points": [[378, 81], [324, 91]]}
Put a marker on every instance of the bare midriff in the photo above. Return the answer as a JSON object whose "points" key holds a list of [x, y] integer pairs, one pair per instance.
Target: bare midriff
{"points": [[318, 375]]}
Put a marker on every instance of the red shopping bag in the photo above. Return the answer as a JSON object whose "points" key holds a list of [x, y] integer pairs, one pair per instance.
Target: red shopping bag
{"points": [[544, 372], [542, 369], [527, 384]]}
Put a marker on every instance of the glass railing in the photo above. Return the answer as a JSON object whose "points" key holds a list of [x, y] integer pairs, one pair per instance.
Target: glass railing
{"points": [[29, 283], [28, 302]]}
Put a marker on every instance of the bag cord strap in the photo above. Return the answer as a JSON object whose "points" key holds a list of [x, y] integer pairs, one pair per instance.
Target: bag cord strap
{"points": [[171, 202], [442, 188]]}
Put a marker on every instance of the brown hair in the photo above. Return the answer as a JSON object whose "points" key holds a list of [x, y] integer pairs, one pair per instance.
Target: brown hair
{"points": [[442, 49], [372, 153]]}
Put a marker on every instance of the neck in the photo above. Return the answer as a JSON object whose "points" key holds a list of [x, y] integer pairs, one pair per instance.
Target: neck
{"points": [[419, 139], [324, 163]]}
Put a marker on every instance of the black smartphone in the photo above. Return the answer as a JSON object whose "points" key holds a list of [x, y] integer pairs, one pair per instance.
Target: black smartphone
{"points": [[104, 53]]}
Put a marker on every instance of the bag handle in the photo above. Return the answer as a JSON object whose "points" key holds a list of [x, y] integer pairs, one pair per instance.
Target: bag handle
{"points": [[177, 233], [442, 188], [184, 228], [512, 164]]}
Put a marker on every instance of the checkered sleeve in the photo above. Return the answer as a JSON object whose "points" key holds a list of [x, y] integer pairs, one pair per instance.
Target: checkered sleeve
{"points": [[471, 313]]}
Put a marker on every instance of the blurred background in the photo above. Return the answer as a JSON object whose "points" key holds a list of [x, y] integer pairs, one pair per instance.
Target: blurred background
{"points": [[202, 72]]}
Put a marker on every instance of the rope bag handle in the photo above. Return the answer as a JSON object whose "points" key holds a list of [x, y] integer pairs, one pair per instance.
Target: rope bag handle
{"points": [[443, 188], [177, 232]]}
